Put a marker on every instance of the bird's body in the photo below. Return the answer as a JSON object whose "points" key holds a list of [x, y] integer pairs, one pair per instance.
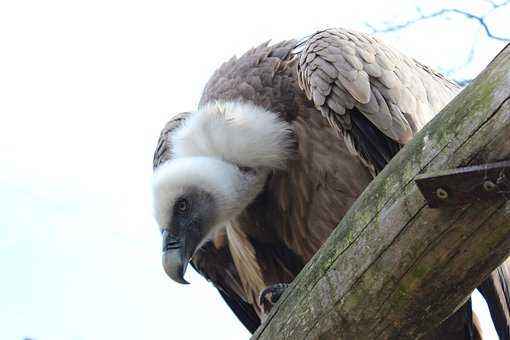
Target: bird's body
{"points": [[285, 138]]}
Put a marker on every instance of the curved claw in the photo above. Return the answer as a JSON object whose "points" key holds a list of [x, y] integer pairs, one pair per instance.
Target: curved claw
{"points": [[269, 296]]}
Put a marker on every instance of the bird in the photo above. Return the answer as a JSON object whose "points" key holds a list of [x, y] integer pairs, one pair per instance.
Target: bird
{"points": [[248, 186]]}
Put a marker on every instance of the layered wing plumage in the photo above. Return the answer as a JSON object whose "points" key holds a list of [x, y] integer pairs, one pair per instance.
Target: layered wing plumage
{"points": [[368, 91]]}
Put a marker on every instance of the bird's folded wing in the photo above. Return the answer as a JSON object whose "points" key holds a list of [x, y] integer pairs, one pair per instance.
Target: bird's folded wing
{"points": [[346, 73]]}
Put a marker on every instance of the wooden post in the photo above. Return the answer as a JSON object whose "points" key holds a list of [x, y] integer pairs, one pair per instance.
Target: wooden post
{"points": [[395, 268]]}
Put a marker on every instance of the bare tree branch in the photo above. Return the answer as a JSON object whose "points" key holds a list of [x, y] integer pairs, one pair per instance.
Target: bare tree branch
{"points": [[447, 13], [481, 19]]}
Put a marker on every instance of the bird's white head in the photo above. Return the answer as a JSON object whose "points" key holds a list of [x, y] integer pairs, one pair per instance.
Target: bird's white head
{"points": [[221, 157]]}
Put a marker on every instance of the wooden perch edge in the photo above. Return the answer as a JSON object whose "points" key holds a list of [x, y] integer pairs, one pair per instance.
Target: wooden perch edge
{"points": [[395, 268]]}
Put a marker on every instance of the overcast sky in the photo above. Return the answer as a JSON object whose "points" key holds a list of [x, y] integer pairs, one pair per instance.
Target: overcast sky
{"points": [[85, 87]]}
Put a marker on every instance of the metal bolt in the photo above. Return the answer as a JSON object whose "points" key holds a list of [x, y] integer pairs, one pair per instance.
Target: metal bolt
{"points": [[441, 193], [489, 185]]}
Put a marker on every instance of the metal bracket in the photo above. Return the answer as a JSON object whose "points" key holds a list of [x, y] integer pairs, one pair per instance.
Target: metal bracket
{"points": [[465, 185]]}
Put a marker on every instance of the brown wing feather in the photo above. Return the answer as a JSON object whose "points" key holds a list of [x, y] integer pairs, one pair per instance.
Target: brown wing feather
{"points": [[245, 258], [346, 73], [164, 147], [262, 76]]}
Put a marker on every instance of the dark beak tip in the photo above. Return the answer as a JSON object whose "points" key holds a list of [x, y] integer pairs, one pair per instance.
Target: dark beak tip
{"points": [[184, 282], [177, 278], [174, 266]]}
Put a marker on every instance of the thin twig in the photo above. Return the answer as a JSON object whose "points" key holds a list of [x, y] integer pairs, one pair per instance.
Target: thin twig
{"points": [[445, 11]]}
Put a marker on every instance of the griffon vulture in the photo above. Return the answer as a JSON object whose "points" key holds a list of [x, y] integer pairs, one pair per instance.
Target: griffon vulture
{"points": [[248, 186]]}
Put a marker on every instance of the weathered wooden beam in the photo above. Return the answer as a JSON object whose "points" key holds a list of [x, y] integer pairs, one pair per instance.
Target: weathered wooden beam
{"points": [[395, 268]]}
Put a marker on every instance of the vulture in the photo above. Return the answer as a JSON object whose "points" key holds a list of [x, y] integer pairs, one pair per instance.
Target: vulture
{"points": [[248, 186]]}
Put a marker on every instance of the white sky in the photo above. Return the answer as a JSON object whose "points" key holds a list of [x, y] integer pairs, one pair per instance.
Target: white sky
{"points": [[85, 88]]}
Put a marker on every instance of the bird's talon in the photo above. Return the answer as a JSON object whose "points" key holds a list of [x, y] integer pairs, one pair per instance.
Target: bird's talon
{"points": [[269, 296]]}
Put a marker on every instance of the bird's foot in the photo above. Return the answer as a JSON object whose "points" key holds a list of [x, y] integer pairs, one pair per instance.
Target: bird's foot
{"points": [[270, 295]]}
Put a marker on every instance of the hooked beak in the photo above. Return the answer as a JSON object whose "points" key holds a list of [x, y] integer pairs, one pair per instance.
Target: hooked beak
{"points": [[175, 259]]}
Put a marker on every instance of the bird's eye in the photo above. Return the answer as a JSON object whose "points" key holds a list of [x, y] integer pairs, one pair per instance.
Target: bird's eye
{"points": [[182, 206]]}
